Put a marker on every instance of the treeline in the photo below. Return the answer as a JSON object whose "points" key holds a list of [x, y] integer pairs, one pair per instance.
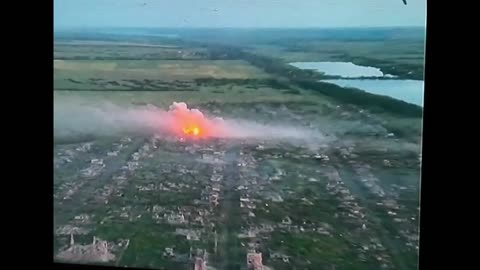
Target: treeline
{"points": [[402, 70], [222, 53], [278, 67], [131, 85], [272, 83], [362, 98]]}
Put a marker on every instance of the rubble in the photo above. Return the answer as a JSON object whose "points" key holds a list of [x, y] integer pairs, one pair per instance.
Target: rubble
{"points": [[174, 218], [387, 163], [321, 157], [84, 147], [98, 251], [189, 233], [69, 230], [286, 220], [96, 166], [254, 261], [168, 252]]}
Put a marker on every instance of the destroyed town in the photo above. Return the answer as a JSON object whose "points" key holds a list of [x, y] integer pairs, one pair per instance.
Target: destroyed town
{"points": [[300, 172], [151, 202]]}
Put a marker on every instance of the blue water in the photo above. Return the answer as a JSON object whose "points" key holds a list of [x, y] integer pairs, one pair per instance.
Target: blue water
{"points": [[410, 91], [343, 69]]}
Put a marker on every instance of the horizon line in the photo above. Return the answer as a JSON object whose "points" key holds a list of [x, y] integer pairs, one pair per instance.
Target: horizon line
{"points": [[233, 27]]}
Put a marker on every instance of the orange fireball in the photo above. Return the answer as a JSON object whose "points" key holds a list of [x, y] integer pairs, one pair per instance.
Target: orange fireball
{"points": [[195, 131], [192, 123]]}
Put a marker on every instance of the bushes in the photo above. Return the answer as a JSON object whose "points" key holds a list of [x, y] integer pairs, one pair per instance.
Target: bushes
{"points": [[250, 83]]}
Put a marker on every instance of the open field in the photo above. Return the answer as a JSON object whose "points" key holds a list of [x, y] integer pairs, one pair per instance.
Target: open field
{"points": [[402, 51], [166, 70], [85, 74], [104, 50]]}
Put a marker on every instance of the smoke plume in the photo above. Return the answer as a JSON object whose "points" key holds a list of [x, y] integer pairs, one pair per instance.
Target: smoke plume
{"points": [[75, 119]]}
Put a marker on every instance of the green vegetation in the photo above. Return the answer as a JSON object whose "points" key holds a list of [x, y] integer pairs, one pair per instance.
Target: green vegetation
{"points": [[375, 103], [167, 70], [249, 83], [314, 250]]}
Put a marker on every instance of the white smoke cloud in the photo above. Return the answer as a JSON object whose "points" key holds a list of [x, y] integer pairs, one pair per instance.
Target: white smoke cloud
{"points": [[74, 119]]}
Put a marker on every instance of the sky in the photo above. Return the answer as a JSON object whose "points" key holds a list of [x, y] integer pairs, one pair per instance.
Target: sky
{"points": [[238, 13]]}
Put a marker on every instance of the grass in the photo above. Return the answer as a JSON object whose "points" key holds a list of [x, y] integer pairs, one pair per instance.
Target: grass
{"points": [[146, 244], [77, 74], [124, 50], [404, 51], [203, 95], [318, 250]]}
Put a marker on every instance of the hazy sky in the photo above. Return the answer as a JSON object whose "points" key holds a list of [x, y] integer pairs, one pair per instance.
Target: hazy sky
{"points": [[238, 13]]}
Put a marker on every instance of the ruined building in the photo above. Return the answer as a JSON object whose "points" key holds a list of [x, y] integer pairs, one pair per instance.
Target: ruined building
{"points": [[254, 261], [200, 261]]}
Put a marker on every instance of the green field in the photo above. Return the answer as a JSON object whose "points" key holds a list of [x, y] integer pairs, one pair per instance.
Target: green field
{"points": [[83, 70], [108, 50]]}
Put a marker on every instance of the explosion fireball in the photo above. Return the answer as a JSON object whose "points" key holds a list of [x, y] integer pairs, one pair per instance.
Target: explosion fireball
{"points": [[192, 122], [195, 131], [73, 119]]}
